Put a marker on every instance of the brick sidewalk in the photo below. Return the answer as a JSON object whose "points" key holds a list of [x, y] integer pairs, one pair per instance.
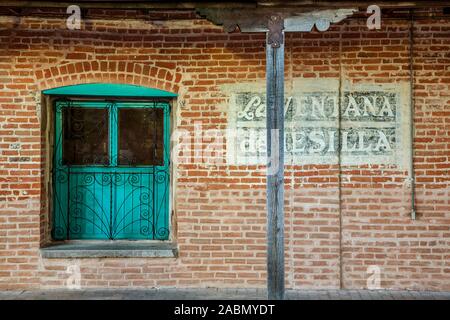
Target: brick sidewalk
{"points": [[219, 294]]}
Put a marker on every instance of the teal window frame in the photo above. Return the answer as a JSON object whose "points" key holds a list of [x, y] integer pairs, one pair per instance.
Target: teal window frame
{"points": [[122, 185], [105, 226]]}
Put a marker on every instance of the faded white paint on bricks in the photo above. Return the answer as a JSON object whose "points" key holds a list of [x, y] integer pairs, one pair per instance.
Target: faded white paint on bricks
{"points": [[373, 120]]}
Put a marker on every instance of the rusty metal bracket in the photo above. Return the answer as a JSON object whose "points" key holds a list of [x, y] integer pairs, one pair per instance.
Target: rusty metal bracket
{"points": [[275, 26]]}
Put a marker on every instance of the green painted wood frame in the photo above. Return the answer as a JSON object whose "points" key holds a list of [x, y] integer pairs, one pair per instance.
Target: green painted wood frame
{"points": [[108, 90], [110, 201]]}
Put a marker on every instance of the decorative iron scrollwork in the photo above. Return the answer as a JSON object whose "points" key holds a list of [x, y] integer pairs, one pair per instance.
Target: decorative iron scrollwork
{"points": [[136, 210]]}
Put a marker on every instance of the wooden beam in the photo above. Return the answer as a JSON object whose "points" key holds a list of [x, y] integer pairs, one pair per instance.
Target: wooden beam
{"points": [[275, 154], [161, 4], [295, 20], [350, 3], [121, 5]]}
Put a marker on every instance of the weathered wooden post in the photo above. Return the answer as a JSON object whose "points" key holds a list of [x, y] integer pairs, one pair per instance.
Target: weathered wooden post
{"points": [[285, 19], [275, 157]]}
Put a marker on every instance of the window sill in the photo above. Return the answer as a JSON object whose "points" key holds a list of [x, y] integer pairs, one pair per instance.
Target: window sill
{"points": [[110, 249]]}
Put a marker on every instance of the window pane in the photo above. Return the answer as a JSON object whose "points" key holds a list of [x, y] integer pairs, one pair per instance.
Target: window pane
{"points": [[141, 139], [85, 136]]}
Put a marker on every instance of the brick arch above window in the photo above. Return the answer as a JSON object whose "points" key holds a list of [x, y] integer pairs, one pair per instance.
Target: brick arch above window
{"points": [[160, 75]]}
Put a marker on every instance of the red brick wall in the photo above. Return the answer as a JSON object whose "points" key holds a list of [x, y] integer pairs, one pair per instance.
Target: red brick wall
{"points": [[339, 219]]}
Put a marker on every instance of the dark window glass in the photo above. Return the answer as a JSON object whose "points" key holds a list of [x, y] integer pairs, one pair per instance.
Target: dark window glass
{"points": [[85, 136], [141, 139]]}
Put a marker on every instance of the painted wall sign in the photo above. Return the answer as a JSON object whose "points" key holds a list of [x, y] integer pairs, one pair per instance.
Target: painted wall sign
{"points": [[371, 120]]}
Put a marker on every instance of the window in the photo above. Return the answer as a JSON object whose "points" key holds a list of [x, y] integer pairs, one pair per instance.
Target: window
{"points": [[111, 170], [141, 136], [85, 136]]}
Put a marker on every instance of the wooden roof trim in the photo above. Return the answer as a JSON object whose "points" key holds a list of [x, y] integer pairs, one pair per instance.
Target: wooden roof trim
{"points": [[169, 4]]}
